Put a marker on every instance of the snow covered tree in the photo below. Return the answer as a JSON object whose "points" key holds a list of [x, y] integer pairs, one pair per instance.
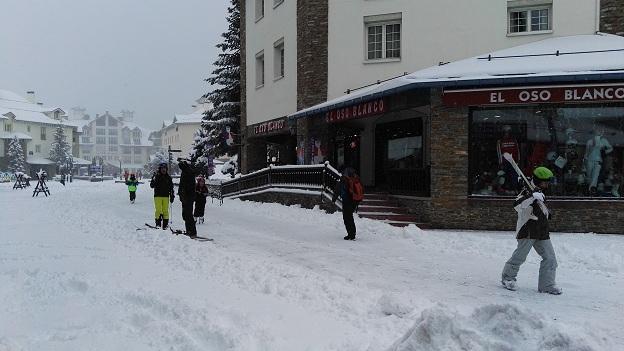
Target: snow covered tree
{"points": [[156, 160], [61, 150], [15, 155], [221, 123], [199, 155]]}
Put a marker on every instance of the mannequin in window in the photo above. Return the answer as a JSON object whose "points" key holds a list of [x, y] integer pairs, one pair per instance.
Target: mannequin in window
{"points": [[508, 144], [593, 157]]}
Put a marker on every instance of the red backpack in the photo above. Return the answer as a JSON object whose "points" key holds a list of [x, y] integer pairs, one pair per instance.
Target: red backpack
{"points": [[356, 189]]}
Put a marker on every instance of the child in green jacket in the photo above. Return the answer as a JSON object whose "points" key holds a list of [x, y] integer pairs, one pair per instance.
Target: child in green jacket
{"points": [[132, 184]]}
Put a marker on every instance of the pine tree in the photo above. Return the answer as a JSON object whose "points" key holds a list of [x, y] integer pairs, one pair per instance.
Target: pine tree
{"points": [[199, 155], [16, 156], [60, 152], [156, 160], [223, 121]]}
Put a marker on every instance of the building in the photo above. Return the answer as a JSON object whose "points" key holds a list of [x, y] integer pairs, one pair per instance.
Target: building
{"points": [[114, 141], [299, 53], [34, 125], [179, 133]]}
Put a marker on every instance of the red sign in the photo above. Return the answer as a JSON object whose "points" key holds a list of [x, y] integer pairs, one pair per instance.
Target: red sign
{"points": [[270, 127], [365, 109], [534, 95]]}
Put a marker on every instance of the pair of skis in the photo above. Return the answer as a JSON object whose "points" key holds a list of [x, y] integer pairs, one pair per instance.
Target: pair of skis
{"points": [[178, 232], [531, 186]]}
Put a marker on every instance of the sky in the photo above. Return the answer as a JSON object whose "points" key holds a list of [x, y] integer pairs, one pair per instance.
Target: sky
{"points": [[147, 56]]}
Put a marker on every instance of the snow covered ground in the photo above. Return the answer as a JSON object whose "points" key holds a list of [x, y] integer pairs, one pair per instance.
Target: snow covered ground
{"points": [[75, 274]]}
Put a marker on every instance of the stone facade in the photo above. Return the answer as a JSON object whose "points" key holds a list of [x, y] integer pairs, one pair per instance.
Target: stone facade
{"points": [[244, 157], [612, 16]]}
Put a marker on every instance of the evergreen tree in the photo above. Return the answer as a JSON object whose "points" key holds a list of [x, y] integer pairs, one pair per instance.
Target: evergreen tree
{"points": [[199, 155], [16, 156], [159, 158], [222, 122], [60, 152]]}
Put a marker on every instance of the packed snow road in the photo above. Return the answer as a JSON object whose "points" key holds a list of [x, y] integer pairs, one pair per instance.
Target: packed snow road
{"points": [[75, 274]]}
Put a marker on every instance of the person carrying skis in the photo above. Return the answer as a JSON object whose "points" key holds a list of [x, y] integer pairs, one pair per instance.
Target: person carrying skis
{"points": [[351, 192], [132, 184], [532, 232], [201, 191], [163, 195], [186, 192]]}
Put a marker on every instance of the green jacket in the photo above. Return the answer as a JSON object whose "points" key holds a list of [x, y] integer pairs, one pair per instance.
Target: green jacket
{"points": [[132, 185]]}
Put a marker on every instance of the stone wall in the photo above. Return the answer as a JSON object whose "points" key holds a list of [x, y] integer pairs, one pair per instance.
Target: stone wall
{"points": [[288, 199], [612, 16]]}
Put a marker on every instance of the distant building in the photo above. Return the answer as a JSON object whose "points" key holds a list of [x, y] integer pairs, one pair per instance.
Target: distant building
{"points": [[179, 133]]}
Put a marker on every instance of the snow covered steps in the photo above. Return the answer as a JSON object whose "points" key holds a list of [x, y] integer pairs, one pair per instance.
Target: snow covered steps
{"points": [[380, 206]]}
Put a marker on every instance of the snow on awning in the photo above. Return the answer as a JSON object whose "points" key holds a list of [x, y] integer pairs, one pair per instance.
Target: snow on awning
{"points": [[596, 57], [20, 136], [81, 162], [38, 161]]}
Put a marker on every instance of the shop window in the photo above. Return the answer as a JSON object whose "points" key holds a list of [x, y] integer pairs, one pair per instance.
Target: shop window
{"points": [[383, 37], [582, 145], [278, 59], [260, 69], [529, 20]]}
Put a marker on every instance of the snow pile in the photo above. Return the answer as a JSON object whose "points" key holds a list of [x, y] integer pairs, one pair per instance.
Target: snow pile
{"points": [[491, 327]]}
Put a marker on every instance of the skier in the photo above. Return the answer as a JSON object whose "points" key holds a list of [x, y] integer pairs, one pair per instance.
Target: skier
{"points": [[201, 191], [350, 190], [186, 192], [163, 194], [532, 231], [132, 187]]}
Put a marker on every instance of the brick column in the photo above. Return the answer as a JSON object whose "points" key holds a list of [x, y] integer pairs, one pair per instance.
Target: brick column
{"points": [[612, 16], [243, 157]]}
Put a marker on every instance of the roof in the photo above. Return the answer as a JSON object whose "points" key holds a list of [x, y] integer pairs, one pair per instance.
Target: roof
{"points": [[25, 110], [33, 160], [7, 135], [596, 57], [191, 118]]}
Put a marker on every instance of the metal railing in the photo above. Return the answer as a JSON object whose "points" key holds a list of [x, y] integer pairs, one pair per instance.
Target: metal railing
{"points": [[309, 179]]}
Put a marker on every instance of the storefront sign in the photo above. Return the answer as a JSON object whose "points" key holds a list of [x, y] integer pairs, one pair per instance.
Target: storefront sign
{"points": [[365, 109], [270, 127], [534, 95]]}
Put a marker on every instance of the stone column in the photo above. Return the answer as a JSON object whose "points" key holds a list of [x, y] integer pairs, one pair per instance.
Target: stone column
{"points": [[612, 16]]}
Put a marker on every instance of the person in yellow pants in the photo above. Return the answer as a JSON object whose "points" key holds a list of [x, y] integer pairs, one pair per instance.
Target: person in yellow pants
{"points": [[163, 194]]}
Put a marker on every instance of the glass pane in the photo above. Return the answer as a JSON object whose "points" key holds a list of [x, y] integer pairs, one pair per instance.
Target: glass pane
{"points": [[518, 21], [405, 152]]}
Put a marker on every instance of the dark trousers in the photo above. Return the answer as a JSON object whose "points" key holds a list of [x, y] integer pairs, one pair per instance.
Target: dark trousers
{"points": [[187, 215], [200, 206], [132, 195], [347, 217]]}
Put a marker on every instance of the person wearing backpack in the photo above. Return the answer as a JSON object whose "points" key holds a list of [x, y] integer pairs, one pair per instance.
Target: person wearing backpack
{"points": [[351, 192]]}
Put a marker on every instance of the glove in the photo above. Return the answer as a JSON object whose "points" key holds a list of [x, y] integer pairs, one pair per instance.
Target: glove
{"points": [[171, 198], [539, 196]]}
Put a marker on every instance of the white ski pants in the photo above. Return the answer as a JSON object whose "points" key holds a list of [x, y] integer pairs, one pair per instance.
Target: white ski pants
{"points": [[548, 266]]}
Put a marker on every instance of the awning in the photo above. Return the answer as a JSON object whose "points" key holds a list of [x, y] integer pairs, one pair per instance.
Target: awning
{"points": [[20, 136], [38, 161]]}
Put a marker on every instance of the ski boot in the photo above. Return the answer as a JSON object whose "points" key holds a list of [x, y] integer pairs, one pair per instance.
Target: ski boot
{"points": [[200, 220], [165, 225], [510, 285], [555, 290], [158, 222]]}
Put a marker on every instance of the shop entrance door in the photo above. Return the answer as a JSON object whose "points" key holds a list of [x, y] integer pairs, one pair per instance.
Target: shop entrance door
{"points": [[347, 151], [399, 161]]}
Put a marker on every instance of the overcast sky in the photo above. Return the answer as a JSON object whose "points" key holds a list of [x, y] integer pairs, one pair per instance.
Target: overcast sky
{"points": [[150, 56]]}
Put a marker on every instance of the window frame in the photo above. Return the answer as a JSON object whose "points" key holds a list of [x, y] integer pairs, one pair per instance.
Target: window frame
{"points": [[276, 3], [529, 24], [260, 73], [384, 26], [279, 54], [259, 10]]}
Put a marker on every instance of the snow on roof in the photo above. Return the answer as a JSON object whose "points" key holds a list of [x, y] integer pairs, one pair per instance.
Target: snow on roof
{"points": [[80, 161], [8, 135], [562, 56], [33, 160], [190, 118], [23, 110]]}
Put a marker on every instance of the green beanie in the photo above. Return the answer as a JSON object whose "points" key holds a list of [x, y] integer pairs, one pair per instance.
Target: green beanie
{"points": [[543, 173]]}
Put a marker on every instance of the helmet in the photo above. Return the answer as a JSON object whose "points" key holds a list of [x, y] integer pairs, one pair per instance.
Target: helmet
{"points": [[543, 173], [162, 165]]}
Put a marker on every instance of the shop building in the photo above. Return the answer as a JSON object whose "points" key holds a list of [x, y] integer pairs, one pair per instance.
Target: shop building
{"points": [[433, 139]]}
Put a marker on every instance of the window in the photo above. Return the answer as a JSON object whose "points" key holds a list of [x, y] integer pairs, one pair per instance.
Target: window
{"points": [[100, 131], [86, 140], [383, 37], [43, 133], [8, 127], [276, 3], [100, 140], [112, 148], [30, 153], [530, 20], [38, 148], [126, 150], [259, 9], [113, 131], [113, 140], [28, 128], [278, 59], [581, 145], [260, 69]]}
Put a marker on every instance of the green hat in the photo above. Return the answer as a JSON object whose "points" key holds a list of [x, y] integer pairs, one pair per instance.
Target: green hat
{"points": [[543, 173]]}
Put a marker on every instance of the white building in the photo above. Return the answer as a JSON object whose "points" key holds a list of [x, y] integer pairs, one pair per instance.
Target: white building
{"points": [[34, 125], [300, 53], [179, 133]]}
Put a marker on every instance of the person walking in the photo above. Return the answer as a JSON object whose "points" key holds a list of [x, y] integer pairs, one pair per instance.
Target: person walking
{"points": [[132, 184], [162, 184], [186, 192], [201, 192], [351, 192], [532, 232]]}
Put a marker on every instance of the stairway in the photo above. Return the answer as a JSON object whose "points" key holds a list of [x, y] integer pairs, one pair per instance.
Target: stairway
{"points": [[380, 206]]}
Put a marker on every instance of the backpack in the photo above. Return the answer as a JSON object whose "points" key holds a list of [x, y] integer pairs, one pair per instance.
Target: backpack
{"points": [[356, 189]]}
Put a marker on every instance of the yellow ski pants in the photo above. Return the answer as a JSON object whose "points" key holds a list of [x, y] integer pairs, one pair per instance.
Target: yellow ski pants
{"points": [[161, 205]]}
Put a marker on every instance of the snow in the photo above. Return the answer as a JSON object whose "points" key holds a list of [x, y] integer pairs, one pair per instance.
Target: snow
{"points": [[78, 276]]}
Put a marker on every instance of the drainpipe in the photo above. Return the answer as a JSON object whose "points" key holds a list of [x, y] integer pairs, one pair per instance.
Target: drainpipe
{"points": [[597, 19]]}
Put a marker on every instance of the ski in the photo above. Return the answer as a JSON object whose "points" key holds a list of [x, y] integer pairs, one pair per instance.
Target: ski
{"points": [[181, 232], [531, 186], [151, 226]]}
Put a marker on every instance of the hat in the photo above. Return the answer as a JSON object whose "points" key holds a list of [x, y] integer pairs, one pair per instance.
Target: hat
{"points": [[543, 173]]}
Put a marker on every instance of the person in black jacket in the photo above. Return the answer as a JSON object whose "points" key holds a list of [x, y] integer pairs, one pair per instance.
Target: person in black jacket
{"points": [[349, 206], [532, 232], [201, 191], [186, 192], [163, 195]]}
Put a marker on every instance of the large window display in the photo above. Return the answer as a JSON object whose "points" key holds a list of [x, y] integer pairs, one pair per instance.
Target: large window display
{"points": [[582, 145]]}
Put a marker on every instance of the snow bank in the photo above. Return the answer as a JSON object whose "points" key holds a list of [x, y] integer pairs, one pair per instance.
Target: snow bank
{"points": [[502, 327]]}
